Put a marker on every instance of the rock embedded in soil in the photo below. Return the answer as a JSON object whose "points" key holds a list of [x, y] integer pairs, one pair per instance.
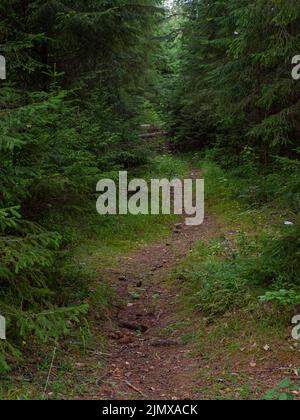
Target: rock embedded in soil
{"points": [[179, 226], [127, 340], [133, 326], [164, 343], [117, 335]]}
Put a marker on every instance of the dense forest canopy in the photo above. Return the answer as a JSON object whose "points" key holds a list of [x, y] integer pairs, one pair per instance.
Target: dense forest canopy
{"points": [[236, 66], [83, 77]]}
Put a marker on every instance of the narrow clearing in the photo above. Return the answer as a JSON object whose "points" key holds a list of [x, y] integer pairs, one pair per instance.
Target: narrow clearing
{"points": [[147, 360]]}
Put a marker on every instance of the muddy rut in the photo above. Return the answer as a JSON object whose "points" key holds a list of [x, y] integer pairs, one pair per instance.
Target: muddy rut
{"points": [[145, 356]]}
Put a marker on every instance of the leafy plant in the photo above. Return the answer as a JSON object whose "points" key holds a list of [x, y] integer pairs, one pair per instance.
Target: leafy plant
{"points": [[283, 391]]}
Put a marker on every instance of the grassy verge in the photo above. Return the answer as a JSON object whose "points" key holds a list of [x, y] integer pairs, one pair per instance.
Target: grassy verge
{"points": [[245, 344], [119, 235]]}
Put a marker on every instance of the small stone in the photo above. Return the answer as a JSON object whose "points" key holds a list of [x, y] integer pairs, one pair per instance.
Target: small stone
{"points": [[164, 343], [179, 226], [133, 326], [117, 335], [126, 340]]}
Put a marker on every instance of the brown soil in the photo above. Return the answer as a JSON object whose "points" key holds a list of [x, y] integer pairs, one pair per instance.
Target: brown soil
{"points": [[147, 360]]}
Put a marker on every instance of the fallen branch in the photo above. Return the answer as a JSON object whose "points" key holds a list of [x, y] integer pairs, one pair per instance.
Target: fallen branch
{"points": [[153, 135], [50, 370], [136, 389]]}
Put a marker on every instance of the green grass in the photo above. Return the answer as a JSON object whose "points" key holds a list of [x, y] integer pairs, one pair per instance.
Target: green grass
{"points": [[115, 236], [121, 236], [221, 283]]}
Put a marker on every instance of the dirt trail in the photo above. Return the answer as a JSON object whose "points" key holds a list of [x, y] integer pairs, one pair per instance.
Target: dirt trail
{"points": [[147, 359]]}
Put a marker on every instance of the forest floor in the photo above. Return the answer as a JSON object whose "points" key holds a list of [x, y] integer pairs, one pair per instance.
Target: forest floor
{"points": [[159, 349], [148, 359], [149, 343]]}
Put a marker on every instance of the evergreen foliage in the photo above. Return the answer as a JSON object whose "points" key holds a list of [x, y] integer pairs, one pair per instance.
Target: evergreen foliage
{"points": [[82, 76], [236, 67], [235, 96], [77, 72]]}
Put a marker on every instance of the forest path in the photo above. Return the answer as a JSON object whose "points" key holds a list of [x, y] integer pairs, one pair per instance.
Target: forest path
{"points": [[145, 356]]}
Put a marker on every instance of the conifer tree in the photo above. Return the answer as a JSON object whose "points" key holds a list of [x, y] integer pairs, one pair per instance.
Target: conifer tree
{"points": [[76, 75], [238, 91]]}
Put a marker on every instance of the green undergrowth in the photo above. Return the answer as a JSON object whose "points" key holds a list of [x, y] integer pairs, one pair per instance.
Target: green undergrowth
{"points": [[242, 282], [93, 244]]}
